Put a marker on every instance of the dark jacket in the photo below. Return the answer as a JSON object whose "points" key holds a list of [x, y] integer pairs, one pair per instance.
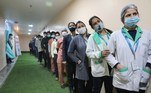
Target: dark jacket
{"points": [[65, 46], [44, 43]]}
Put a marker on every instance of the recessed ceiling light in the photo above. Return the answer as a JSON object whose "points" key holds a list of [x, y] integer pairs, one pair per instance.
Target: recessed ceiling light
{"points": [[29, 33], [29, 30], [30, 25], [49, 4]]}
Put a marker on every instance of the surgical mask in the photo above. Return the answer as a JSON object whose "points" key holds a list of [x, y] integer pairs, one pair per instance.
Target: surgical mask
{"points": [[132, 21], [48, 35], [82, 30], [72, 29], [53, 36], [57, 37], [99, 27], [64, 33]]}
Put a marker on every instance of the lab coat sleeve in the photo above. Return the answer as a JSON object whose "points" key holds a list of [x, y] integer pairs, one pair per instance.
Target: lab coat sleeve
{"points": [[91, 53], [112, 47], [149, 53]]}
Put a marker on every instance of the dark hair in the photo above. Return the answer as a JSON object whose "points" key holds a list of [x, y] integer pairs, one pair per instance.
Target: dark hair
{"points": [[10, 34], [57, 33], [44, 32], [70, 23], [90, 20], [53, 32], [48, 32], [79, 22]]}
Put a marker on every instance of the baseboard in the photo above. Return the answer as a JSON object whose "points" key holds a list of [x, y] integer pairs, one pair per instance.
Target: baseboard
{"points": [[25, 51]]}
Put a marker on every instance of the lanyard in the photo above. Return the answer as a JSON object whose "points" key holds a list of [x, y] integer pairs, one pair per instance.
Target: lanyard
{"points": [[104, 39], [132, 48]]}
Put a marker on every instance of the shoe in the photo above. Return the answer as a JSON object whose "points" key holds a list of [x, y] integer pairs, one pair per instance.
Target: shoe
{"points": [[63, 86]]}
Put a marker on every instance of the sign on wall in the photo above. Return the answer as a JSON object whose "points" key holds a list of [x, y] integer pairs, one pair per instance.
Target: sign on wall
{"points": [[17, 46]]}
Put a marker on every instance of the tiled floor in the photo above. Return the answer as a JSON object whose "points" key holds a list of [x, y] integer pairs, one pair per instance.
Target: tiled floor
{"points": [[5, 72]]}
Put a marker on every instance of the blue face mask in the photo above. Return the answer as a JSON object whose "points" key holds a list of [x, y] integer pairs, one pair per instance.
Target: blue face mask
{"points": [[131, 22], [99, 27]]}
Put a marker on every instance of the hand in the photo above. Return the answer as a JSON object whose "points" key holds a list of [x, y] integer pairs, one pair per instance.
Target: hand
{"points": [[79, 61], [105, 53], [119, 66]]}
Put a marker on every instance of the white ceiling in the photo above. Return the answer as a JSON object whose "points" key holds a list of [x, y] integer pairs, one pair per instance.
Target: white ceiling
{"points": [[36, 12]]}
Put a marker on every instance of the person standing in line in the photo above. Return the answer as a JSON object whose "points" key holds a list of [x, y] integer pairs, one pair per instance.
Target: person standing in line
{"points": [[30, 47], [43, 46], [70, 65], [36, 46], [78, 44], [39, 48], [49, 49], [131, 46], [54, 52], [97, 51], [61, 65]]}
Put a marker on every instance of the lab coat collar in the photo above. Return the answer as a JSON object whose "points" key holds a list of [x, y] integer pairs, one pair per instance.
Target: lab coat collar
{"points": [[138, 33]]}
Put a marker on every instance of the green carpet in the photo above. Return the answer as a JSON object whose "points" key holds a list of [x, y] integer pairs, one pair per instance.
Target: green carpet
{"points": [[28, 76]]}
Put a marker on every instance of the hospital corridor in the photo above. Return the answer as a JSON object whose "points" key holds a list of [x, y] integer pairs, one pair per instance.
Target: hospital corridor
{"points": [[75, 46]]}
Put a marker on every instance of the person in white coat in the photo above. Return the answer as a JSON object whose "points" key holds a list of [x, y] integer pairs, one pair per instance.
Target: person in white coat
{"points": [[97, 51], [130, 54]]}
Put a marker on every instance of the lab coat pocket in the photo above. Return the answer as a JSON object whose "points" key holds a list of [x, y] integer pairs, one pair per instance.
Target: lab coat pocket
{"points": [[123, 75], [145, 76]]}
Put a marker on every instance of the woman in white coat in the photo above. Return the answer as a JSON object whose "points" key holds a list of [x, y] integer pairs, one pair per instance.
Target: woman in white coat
{"points": [[131, 47], [97, 51]]}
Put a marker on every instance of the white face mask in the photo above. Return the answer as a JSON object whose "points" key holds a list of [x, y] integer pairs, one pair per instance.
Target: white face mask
{"points": [[64, 33], [82, 30], [57, 37]]}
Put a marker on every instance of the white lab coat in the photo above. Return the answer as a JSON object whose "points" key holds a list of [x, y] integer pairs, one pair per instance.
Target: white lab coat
{"points": [[99, 65], [118, 46]]}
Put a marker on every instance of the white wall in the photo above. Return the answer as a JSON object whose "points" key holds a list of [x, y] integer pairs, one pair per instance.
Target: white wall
{"points": [[107, 10], [2, 44], [24, 41]]}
